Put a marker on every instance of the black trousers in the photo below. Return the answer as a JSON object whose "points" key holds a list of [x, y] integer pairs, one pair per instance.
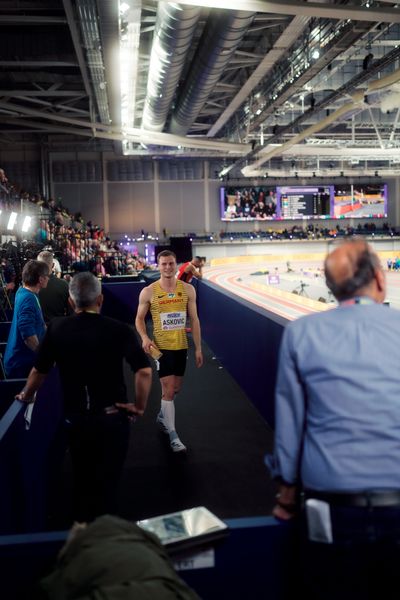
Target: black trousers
{"points": [[362, 563], [98, 445]]}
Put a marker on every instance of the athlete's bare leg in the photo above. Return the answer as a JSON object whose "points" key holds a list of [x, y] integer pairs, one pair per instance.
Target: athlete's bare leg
{"points": [[170, 385]]}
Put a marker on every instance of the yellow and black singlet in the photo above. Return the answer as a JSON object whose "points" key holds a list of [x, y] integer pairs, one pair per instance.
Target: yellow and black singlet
{"points": [[168, 310]]}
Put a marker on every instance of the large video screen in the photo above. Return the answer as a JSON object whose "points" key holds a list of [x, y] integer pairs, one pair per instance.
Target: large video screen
{"points": [[265, 203], [360, 200], [248, 203]]}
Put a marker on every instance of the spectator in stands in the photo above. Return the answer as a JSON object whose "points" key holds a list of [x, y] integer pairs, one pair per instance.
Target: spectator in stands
{"points": [[42, 233], [89, 350], [232, 206], [97, 266], [259, 211], [247, 204], [54, 297], [111, 264], [337, 431], [27, 327], [190, 269]]}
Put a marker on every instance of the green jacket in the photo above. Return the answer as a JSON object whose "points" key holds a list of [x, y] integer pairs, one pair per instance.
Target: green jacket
{"points": [[113, 559]]}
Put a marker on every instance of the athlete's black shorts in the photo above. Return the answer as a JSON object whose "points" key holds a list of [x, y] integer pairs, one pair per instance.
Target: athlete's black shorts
{"points": [[172, 362]]}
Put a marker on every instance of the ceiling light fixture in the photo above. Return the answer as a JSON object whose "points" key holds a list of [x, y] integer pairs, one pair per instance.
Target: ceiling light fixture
{"points": [[129, 37]]}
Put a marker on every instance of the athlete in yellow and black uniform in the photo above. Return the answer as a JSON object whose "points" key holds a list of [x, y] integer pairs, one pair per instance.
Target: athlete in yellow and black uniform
{"points": [[170, 301], [169, 311]]}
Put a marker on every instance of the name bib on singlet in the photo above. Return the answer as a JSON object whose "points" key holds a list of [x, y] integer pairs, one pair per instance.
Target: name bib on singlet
{"points": [[173, 320]]}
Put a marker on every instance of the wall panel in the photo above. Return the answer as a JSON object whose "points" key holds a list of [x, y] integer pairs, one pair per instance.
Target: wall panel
{"points": [[182, 206], [86, 198], [131, 207]]}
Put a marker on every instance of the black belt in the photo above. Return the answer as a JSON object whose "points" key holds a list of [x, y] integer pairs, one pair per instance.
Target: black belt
{"points": [[369, 499]]}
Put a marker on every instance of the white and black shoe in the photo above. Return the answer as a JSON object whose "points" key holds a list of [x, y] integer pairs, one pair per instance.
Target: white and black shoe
{"points": [[176, 444]]}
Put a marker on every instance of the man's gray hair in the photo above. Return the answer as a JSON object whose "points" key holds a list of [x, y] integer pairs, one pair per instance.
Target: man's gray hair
{"points": [[84, 289], [363, 272], [46, 257]]}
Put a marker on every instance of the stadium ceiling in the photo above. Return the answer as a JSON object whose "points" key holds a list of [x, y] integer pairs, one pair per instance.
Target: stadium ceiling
{"points": [[269, 87]]}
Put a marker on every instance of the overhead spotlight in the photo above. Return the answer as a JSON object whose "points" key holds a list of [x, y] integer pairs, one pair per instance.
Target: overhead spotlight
{"points": [[12, 220], [26, 223], [315, 54]]}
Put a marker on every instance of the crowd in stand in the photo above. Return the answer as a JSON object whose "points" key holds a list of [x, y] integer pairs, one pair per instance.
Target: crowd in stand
{"points": [[85, 247], [78, 245]]}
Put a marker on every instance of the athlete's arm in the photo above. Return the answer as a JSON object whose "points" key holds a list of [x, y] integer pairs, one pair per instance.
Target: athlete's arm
{"points": [[196, 272], [140, 324], [194, 323]]}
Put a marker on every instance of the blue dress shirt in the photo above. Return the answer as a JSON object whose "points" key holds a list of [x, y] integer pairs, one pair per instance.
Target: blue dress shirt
{"points": [[338, 400]]}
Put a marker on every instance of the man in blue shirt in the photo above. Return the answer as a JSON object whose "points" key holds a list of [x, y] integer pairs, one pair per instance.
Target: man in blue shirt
{"points": [[27, 327], [338, 431]]}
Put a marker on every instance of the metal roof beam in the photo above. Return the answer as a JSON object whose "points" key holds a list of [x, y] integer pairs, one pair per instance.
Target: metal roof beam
{"points": [[39, 93], [309, 9]]}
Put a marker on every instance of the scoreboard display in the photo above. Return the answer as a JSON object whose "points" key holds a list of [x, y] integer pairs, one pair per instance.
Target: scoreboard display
{"points": [[305, 202]]}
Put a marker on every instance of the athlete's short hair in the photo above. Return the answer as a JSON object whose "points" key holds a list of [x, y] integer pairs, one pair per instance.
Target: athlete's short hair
{"points": [[165, 253]]}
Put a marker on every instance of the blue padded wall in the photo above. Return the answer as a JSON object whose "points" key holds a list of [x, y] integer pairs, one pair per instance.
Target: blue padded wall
{"points": [[245, 339]]}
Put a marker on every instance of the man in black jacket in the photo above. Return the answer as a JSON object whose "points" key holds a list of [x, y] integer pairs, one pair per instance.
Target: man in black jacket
{"points": [[54, 298]]}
